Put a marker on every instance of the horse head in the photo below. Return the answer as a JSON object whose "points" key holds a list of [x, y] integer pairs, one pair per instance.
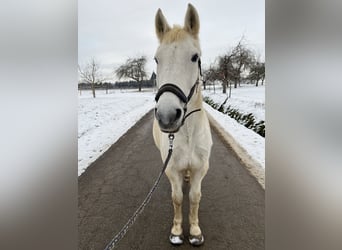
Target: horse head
{"points": [[178, 68]]}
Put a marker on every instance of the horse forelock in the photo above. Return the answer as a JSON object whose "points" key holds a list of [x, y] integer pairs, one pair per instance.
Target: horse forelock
{"points": [[177, 33]]}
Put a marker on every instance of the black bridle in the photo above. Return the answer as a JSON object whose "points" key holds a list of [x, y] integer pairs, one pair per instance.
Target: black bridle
{"points": [[174, 89]]}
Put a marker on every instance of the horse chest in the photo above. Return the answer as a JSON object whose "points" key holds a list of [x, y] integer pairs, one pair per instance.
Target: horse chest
{"points": [[188, 155]]}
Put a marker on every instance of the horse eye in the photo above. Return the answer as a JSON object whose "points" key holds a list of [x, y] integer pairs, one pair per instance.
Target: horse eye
{"points": [[156, 60], [194, 58]]}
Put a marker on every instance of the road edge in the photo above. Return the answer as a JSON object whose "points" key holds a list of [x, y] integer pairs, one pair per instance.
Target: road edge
{"points": [[104, 152], [251, 165]]}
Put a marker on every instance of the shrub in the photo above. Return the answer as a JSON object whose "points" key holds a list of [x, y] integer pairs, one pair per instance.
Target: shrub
{"points": [[248, 120]]}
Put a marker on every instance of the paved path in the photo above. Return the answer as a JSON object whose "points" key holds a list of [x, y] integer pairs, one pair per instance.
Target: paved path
{"points": [[231, 210]]}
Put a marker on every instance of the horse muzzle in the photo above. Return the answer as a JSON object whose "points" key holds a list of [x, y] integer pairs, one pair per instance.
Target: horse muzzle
{"points": [[169, 120], [172, 117]]}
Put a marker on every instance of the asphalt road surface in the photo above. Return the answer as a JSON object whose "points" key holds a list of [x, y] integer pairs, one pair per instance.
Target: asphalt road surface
{"points": [[231, 211]]}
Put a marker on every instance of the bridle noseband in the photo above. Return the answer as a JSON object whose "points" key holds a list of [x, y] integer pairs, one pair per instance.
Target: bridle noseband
{"points": [[170, 87]]}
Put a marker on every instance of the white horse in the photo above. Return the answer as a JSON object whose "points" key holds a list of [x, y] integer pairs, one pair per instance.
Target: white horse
{"points": [[178, 79]]}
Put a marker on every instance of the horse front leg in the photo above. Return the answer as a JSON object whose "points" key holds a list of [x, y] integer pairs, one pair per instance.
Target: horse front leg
{"points": [[196, 236], [176, 180]]}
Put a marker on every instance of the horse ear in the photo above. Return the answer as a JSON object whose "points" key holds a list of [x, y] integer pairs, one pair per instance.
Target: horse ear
{"points": [[191, 22], [161, 25]]}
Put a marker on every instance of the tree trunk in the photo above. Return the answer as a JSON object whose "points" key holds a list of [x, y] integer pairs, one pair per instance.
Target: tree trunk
{"points": [[235, 84], [93, 89], [224, 87], [262, 81], [230, 90], [204, 85], [139, 86], [256, 83]]}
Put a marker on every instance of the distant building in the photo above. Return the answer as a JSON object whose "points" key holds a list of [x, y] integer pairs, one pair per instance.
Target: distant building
{"points": [[153, 78]]}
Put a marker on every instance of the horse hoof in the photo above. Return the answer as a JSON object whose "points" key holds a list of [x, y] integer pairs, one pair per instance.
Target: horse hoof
{"points": [[196, 240], [176, 239]]}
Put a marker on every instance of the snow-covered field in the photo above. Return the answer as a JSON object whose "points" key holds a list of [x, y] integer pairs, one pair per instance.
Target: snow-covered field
{"points": [[103, 120], [247, 99]]}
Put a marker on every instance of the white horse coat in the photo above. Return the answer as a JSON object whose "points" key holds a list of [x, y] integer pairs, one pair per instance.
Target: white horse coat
{"points": [[177, 63]]}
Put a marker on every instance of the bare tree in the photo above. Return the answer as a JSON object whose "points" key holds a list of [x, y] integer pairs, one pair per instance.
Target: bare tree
{"points": [[262, 72], [133, 68], [257, 73], [233, 66], [210, 75], [226, 72], [241, 60], [91, 74]]}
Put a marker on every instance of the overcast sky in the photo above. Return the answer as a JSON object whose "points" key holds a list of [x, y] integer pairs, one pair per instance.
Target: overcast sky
{"points": [[111, 31]]}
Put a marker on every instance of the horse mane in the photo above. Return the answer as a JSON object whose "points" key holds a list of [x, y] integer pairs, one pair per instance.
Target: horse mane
{"points": [[177, 33]]}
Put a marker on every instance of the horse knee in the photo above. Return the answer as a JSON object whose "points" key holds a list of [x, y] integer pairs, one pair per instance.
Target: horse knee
{"points": [[195, 196], [177, 198]]}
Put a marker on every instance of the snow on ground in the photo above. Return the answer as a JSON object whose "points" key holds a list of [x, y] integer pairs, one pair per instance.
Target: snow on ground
{"points": [[253, 143], [104, 119], [247, 99]]}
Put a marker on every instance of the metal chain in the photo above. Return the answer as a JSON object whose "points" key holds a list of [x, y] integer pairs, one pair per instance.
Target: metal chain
{"points": [[113, 243]]}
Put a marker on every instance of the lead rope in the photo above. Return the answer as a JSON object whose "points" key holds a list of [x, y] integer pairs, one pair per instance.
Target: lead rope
{"points": [[115, 240]]}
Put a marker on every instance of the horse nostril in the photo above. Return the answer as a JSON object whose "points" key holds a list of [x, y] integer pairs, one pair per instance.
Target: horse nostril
{"points": [[178, 113]]}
